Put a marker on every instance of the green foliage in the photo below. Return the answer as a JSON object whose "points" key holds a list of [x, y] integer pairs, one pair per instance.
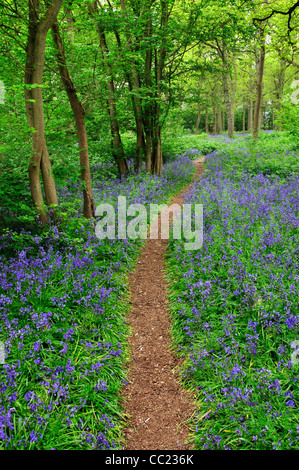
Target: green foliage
{"points": [[274, 153], [288, 118], [173, 146]]}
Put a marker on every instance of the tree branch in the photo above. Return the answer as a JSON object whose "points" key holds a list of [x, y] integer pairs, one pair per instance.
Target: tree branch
{"points": [[279, 12]]}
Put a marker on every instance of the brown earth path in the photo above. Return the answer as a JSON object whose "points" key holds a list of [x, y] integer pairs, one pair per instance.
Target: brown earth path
{"points": [[157, 405]]}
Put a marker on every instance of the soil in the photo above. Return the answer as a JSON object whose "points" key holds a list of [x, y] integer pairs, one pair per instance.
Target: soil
{"points": [[158, 407]]}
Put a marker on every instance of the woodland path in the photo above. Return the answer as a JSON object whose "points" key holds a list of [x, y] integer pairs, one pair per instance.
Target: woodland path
{"points": [[157, 405]]}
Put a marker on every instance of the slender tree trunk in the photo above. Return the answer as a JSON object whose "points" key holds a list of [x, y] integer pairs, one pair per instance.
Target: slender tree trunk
{"points": [[261, 116], [78, 112], [207, 121], [140, 150], [198, 111], [198, 118], [214, 120], [118, 150], [35, 58], [250, 115], [226, 91], [133, 77], [160, 56], [140, 142], [249, 119], [148, 104], [233, 88], [219, 121], [116, 143], [228, 106], [259, 87], [244, 119], [157, 157], [122, 164]]}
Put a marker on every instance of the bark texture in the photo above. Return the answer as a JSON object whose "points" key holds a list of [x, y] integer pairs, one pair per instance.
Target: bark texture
{"points": [[207, 121], [228, 88], [198, 119], [259, 89], [35, 59], [79, 113]]}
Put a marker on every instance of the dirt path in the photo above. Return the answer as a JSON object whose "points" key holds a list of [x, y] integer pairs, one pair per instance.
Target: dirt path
{"points": [[158, 405]]}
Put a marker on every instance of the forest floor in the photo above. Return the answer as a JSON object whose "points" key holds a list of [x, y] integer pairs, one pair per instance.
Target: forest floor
{"points": [[159, 408]]}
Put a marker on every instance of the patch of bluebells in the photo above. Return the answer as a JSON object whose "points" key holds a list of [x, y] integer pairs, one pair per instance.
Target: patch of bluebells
{"points": [[62, 319], [236, 303]]}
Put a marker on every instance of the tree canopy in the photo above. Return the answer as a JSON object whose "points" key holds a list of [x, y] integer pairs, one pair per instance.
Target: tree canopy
{"points": [[97, 71]]}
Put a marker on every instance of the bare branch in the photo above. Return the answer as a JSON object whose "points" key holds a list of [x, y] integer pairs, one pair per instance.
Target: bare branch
{"points": [[288, 13]]}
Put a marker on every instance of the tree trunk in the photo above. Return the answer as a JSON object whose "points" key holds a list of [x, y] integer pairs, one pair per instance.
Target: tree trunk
{"points": [[160, 56], [140, 136], [78, 112], [157, 151], [233, 88], [117, 147], [129, 80], [147, 103], [140, 142], [207, 121], [228, 107], [261, 116], [214, 120], [244, 119], [147, 118], [118, 150], [219, 121], [258, 102], [198, 118], [227, 94], [250, 115], [35, 59]]}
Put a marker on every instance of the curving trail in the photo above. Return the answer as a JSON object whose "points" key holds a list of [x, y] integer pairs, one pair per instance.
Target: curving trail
{"points": [[158, 406]]}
